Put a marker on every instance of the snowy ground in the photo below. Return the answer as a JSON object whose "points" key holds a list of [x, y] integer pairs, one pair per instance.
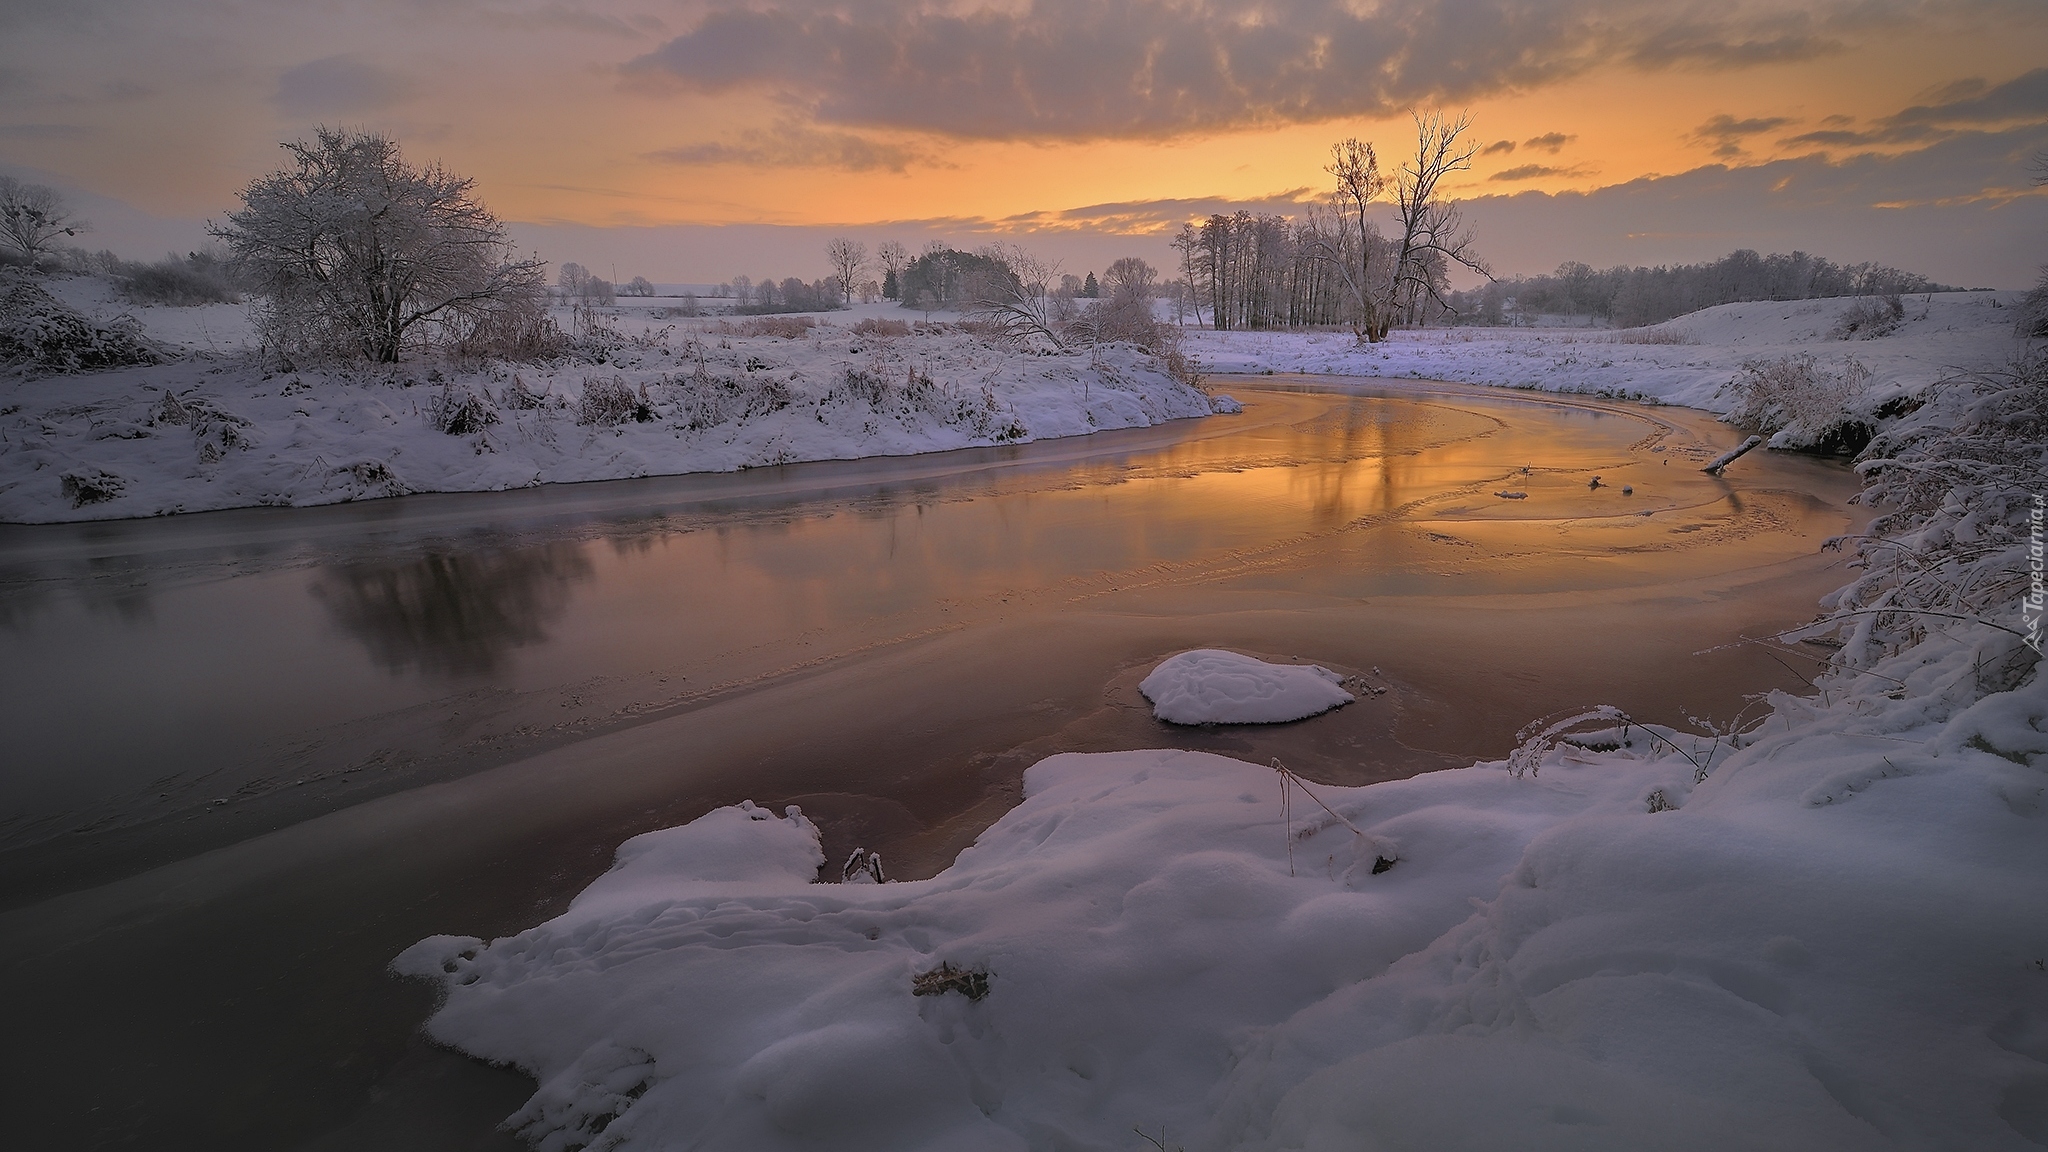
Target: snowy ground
{"points": [[213, 429], [1829, 938], [1824, 931], [680, 394], [1688, 361]]}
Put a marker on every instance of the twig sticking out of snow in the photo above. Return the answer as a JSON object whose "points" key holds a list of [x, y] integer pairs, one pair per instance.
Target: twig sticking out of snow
{"points": [[1728, 457], [1287, 777]]}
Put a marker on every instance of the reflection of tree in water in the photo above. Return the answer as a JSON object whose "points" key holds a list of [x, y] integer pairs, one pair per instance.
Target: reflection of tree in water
{"points": [[453, 613]]}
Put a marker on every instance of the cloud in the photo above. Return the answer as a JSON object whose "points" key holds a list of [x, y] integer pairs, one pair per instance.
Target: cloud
{"points": [[1960, 211], [1727, 133], [1498, 146], [1549, 141], [1532, 171], [337, 86], [1967, 104], [1141, 68], [793, 146]]}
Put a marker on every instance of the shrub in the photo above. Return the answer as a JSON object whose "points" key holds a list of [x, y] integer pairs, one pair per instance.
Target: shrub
{"points": [[2033, 308], [461, 411], [176, 281], [1802, 404], [784, 327], [40, 333], [1870, 317], [876, 326], [607, 403]]}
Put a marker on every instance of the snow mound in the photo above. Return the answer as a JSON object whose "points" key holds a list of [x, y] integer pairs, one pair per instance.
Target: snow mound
{"points": [[1813, 947], [1225, 405], [1211, 686]]}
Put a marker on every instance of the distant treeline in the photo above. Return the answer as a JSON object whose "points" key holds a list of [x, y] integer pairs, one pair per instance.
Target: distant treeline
{"points": [[1630, 297]]}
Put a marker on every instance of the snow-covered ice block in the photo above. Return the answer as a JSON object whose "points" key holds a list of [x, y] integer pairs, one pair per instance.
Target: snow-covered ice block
{"points": [[1225, 405], [1211, 686]]}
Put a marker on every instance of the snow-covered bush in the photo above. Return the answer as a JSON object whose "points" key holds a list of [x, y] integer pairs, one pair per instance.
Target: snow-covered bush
{"points": [[1801, 404], [606, 403], [1958, 479], [41, 334], [1870, 317], [2033, 309], [461, 411]]}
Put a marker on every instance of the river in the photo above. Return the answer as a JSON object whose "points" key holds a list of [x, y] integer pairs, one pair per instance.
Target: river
{"points": [[251, 755]]}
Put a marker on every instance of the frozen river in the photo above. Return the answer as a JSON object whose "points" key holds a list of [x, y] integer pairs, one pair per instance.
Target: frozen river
{"points": [[251, 755]]}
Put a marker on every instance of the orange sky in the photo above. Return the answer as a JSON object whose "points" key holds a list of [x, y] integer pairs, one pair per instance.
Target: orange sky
{"points": [[806, 115]]}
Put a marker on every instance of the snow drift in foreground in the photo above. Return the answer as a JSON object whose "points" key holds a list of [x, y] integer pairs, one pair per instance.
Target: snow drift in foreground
{"points": [[1210, 686], [1832, 941]]}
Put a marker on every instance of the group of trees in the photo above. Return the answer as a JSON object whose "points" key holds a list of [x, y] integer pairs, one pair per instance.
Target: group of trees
{"points": [[32, 219], [352, 251], [1335, 265], [1629, 297]]}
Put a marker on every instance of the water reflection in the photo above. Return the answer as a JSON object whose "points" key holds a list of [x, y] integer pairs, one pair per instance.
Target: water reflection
{"points": [[453, 613]]}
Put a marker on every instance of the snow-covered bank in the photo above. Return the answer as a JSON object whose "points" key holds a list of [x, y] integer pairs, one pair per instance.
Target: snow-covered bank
{"points": [[1823, 931], [1689, 361], [213, 429], [1833, 941]]}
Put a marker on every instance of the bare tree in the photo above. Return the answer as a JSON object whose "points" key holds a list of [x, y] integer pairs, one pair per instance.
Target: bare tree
{"points": [[848, 259], [1130, 279], [356, 251], [1188, 243], [1433, 235], [1359, 182], [638, 286], [1023, 303], [32, 217]]}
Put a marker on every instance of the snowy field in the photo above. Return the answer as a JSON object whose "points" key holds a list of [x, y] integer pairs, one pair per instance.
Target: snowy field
{"points": [[1823, 930], [213, 429], [1689, 361]]}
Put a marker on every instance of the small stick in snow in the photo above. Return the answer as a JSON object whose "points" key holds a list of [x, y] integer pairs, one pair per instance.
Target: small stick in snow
{"points": [[1728, 457]]}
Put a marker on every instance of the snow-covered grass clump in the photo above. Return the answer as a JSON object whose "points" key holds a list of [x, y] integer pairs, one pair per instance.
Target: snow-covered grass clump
{"points": [[1210, 686], [646, 400]]}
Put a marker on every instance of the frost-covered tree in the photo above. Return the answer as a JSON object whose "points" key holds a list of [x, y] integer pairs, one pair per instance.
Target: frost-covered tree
{"points": [[356, 252], [848, 257], [638, 286], [893, 256], [32, 217]]}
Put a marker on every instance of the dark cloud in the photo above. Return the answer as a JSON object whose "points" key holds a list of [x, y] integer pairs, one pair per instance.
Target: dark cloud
{"points": [[1532, 171], [1969, 104], [337, 86], [792, 146], [1498, 146], [43, 132], [1549, 141], [1726, 133], [1954, 211], [1124, 68]]}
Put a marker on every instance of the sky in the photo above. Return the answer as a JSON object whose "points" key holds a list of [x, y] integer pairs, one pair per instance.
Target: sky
{"points": [[688, 141]]}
